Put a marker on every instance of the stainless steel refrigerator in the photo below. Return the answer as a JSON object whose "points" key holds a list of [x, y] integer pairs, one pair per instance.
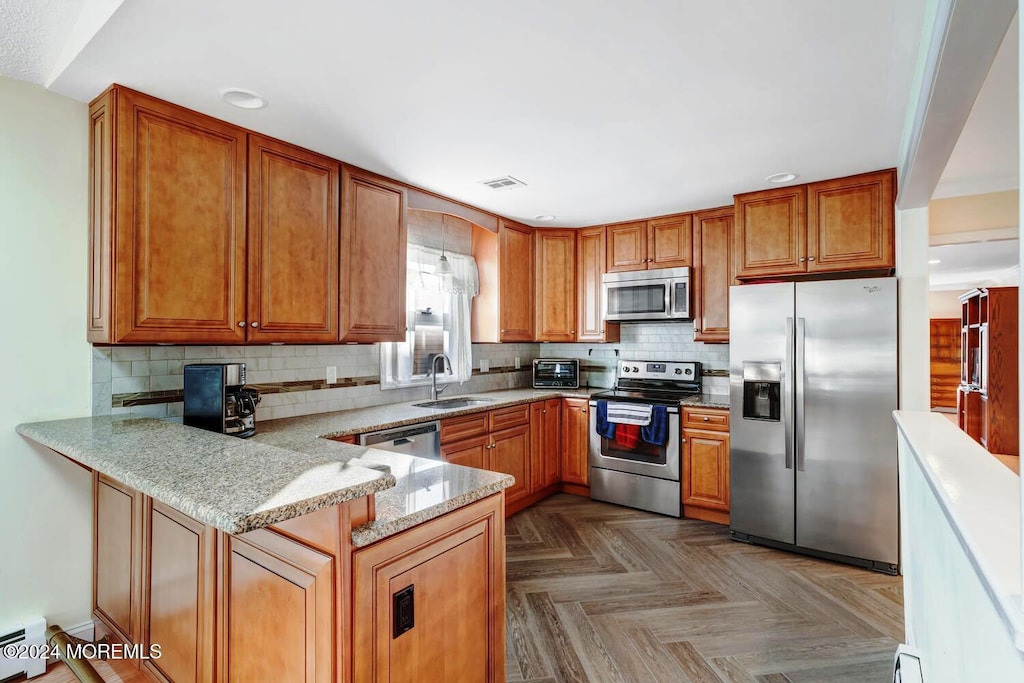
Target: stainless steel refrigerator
{"points": [[813, 383]]}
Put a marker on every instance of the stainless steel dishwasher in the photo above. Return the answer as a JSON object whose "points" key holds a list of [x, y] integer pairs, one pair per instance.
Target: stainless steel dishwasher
{"points": [[422, 440]]}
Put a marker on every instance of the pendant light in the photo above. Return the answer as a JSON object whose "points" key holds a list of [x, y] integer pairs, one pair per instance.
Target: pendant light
{"points": [[443, 266]]}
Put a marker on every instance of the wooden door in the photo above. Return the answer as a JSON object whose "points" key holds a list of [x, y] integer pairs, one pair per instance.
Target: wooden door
{"points": [[555, 285], [627, 247], [180, 596], [770, 232], [851, 223], [278, 610], [373, 258], [706, 470], [180, 225], [515, 282], [117, 557], [468, 452], [670, 241], [712, 274], [944, 336], [410, 625], [590, 266], [552, 461], [293, 244], [575, 436], [509, 452]]}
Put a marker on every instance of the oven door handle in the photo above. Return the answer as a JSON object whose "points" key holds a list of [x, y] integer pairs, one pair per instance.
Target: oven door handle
{"points": [[671, 410]]}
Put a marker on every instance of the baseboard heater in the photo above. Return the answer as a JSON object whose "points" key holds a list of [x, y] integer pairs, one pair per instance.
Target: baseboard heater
{"points": [[16, 644]]}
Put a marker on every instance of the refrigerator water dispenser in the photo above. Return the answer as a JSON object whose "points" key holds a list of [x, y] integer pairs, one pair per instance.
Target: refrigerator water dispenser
{"points": [[762, 390]]}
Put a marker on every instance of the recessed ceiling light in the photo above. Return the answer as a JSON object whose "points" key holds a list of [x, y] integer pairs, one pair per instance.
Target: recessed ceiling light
{"points": [[240, 97], [933, 261], [546, 218], [782, 177]]}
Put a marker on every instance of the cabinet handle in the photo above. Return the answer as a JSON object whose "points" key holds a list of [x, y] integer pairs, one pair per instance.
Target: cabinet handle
{"points": [[255, 324], [241, 323]]}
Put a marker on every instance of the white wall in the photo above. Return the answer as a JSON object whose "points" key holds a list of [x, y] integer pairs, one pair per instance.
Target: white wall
{"points": [[44, 499], [912, 270]]}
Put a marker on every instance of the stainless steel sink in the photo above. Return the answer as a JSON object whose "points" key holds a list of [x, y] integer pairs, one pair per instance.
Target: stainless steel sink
{"points": [[449, 403]]}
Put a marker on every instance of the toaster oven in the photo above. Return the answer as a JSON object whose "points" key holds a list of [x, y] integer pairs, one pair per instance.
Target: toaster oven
{"points": [[558, 373]]}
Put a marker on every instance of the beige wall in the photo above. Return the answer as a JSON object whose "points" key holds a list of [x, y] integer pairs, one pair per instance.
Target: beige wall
{"points": [[944, 304], [46, 500], [973, 213]]}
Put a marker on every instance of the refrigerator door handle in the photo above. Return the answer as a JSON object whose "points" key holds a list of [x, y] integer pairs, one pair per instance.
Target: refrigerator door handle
{"points": [[801, 378], [787, 390]]}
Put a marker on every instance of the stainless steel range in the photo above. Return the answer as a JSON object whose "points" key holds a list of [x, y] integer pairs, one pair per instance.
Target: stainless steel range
{"points": [[634, 436]]}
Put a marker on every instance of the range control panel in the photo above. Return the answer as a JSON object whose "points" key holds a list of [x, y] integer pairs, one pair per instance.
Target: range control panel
{"points": [[640, 369]]}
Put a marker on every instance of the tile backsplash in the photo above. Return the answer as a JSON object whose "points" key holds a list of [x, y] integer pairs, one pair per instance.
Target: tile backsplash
{"points": [[147, 380]]}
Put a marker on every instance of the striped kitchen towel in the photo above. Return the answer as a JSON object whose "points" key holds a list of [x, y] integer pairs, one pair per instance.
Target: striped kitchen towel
{"points": [[630, 413]]}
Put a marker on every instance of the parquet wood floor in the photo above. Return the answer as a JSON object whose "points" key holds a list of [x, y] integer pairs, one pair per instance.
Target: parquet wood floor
{"points": [[603, 593]]}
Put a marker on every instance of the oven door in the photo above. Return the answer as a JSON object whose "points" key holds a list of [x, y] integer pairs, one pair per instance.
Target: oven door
{"points": [[660, 462]]}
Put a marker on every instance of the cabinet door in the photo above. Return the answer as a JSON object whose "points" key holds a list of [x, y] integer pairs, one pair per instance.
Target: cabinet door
{"points": [[590, 266], [537, 446], [278, 602], [515, 282], [468, 452], [770, 231], [851, 223], [117, 557], [293, 244], [180, 591], [509, 453], [706, 470], [373, 258], [406, 581], [627, 247], [180, 225], [552, 442], [712, 274], [575, 436], [670, 241], [555, 252], [102, 116]]}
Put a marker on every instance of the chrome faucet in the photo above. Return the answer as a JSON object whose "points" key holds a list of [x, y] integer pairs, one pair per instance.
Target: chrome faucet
{"points": [[433, 373]]}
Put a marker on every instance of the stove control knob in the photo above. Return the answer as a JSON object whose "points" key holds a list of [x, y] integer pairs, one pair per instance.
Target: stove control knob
{"points": [[689, 371], [636, 369], [679, 371], [625, 368]]}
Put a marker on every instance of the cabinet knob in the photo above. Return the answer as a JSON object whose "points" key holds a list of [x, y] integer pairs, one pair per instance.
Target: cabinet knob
{"points": [[255, 324], [544, 412], [572, 331], [682, 440], [705, 418], [810, 258], [241, 323], [802, 259], [503, 331], [696, 329], [584, 411]]}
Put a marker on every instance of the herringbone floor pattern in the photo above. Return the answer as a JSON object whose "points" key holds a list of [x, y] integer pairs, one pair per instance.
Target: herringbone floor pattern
{"points": [[604, 593]]}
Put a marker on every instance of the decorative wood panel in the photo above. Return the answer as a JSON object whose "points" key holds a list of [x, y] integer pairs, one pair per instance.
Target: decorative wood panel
{"points": [[555, 285], [293, 244], [590, 266], [515, 282], [101, 215], [575, 436], [512, 416], [670, 241], [770, 232], [850, 223], [627, 247], [117, 557], [458, 428], [712, 274]]}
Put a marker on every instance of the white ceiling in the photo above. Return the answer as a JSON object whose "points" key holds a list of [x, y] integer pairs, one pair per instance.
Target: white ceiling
{"points": [[974, 264], [986, 157], [607, 110]]}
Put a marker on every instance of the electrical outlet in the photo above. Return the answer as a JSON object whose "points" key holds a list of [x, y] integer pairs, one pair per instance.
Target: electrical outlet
{"points": [[518, 363], [485, 365], [332, 374]]}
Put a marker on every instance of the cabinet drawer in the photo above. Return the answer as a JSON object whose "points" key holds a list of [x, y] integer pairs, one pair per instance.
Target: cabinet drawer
{"points": [[714, 419], [513, 416], [457, 428]]}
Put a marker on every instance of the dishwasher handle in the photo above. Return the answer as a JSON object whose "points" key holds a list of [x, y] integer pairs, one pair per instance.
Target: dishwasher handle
{"points": [[394, 435]]}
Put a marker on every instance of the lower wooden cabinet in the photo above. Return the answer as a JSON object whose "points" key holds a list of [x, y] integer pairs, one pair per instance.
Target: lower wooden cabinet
{"points": [[468, 452], [509, 452], [705, 466], [575, 435], [409, 624], [117, 565], [545, 444]]}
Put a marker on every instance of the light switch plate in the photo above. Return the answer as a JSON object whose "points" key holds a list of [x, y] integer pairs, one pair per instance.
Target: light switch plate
{"points": [[518, 363], [332, 374], [485, 365]]}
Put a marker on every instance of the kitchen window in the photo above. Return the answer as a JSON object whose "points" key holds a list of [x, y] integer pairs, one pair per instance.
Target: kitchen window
{"points": [[437, 321]]}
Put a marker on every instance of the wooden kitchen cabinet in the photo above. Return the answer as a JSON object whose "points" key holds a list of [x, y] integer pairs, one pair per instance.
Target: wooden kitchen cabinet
{"points": [[509, 452], [590, 267], [278, 601], [575, 436], [545, 444], [712, 274], [409, 624], [293, 244], [503, 311], [840, 225], [496, 440], [374, 234], [468, 452], [664, 242], [167, 223], [117, 558], [705, 464], [555, 285]]}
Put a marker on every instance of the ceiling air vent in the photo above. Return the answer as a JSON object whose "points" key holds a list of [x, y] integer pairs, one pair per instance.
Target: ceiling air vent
{"points": [[505, 182]]}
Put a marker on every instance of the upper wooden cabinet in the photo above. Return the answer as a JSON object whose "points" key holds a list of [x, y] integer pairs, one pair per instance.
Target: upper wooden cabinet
{"points": [[590, 266], [503, 311], [293, 244], [712, 273], [840, 225], [167, 259], [373, 258], [555, 285], [658, 243]]}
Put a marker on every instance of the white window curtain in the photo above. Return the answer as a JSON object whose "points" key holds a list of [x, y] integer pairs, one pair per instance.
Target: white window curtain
{"points": [[453, 295]]}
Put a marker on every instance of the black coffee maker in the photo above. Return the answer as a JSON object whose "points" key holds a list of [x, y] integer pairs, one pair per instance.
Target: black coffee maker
{"points": [[217, 400]]}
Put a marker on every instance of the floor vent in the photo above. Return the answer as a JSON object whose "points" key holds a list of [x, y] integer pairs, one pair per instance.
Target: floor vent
{"points": [[505, 182], [16, 644]]}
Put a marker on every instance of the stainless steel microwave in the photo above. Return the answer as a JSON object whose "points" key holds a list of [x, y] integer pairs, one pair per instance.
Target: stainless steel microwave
{"points": [[561, 373], [662, 294]]}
